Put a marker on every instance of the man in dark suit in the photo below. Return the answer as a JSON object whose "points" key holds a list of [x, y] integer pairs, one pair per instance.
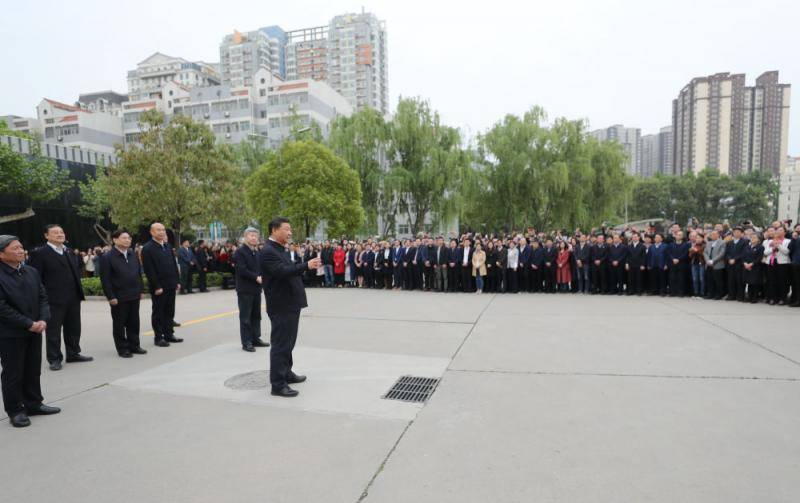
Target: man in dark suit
{"points": [[23, 317], [202, 256], [397, 262], [734, 250], [369, 267], [410, 265], [248, 291], [427, 264], [187, 262], [599, 256], [158, 262], [617, 256], [582, 260], [536, 266], [286, 296], [635, 266], [60, 273], [440, 258], [454, 266], [550, 256], [525, 270], [657, 265], [122, 286]]}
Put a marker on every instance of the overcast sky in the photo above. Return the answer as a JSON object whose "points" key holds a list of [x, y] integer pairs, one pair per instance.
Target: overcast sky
{"points": [[608, 61]]}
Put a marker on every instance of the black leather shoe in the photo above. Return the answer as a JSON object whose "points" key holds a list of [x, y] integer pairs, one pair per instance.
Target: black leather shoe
{"points": [[175, 323], [126, 354], [139, 351], [285, 392], [174, 339], [296, 379], [20, 420], [162, 343], [249, 349], [260, 344], [43, 410], [79, 359], [55, 365]]}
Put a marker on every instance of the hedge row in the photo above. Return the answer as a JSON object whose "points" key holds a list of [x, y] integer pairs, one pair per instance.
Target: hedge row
{"points": [[92, 286]]}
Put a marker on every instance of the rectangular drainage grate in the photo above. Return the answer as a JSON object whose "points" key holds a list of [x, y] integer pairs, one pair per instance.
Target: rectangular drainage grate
{"points": [[412, 389]]}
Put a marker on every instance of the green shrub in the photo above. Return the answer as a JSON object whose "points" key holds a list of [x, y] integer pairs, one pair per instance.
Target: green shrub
{"points": [[92, 286]]}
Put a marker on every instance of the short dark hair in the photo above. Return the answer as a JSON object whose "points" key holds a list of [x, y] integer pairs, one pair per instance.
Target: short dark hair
{"points": [[51, 226], [276, 223], [119, 232]]}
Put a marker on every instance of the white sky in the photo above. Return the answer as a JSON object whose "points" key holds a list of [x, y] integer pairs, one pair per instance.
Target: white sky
{"points": [[611, 61]]}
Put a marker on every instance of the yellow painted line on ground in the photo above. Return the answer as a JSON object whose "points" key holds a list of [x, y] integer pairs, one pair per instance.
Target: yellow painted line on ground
{"points": [[201, 320]]}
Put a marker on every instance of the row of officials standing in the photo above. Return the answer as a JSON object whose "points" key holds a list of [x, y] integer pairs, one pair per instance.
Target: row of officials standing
{"points": [[43, 295]]}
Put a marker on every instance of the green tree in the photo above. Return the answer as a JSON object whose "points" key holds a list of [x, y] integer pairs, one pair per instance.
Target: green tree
{"points": [[531, 174], [361, 140], [31, 178], [176, 175], [426, 160], [95, 203], [307, 183]]}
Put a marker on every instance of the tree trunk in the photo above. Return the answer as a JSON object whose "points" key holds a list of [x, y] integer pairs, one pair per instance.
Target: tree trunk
{"points": [[104, 234], [17, 216], [308, 229], [176, 230]]}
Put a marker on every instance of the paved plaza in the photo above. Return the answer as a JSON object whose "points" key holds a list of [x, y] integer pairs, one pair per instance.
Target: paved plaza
{"points": [[542, 398]]}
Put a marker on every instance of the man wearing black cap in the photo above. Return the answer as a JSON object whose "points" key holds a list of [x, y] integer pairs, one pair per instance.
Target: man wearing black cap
{"points": [[23, 317]]}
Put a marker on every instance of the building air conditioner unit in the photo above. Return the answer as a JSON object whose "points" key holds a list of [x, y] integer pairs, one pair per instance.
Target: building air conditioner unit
{"points": [[227, 114], [227, 135], [60, 138], [205, 116]]}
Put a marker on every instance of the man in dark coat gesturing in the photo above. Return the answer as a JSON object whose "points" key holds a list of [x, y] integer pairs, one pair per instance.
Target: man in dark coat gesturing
{"points": [[286, 296]]}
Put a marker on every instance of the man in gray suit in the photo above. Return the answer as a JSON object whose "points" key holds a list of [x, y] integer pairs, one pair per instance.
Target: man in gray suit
{"points": [[715, 265]]}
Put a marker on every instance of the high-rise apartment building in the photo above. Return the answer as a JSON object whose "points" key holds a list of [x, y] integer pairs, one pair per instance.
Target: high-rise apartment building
{"points": [[656, 154], [307, 54], [241, 55], [720, 123], [358, 61], [631, 141], [789, 199], [151, 74], [350, 54]]}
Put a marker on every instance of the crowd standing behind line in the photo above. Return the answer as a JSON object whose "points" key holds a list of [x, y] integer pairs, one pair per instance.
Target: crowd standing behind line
{"points": [[743, 263]]}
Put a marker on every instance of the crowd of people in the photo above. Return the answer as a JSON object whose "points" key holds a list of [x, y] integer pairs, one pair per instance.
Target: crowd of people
{"points": [[41, 293], [738, 263]]}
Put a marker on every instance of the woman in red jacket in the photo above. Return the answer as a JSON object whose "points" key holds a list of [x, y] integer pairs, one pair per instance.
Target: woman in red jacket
{"points": [[563, 270], [338, 265]]}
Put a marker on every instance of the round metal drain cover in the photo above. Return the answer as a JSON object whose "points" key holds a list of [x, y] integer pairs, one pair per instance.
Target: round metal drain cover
{"points": [[248, 381]]}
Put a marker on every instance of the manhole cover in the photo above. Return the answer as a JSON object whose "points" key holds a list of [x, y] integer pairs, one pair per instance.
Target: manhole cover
{"points": [[248, 381], [412, 389]]}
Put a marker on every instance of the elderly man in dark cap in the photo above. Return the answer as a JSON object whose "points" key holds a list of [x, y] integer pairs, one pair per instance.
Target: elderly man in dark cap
{"points": [[23, 317]]}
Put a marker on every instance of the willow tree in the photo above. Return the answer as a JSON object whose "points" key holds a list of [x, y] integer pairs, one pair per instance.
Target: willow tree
{"points": [[426, 160], [361, 141]]}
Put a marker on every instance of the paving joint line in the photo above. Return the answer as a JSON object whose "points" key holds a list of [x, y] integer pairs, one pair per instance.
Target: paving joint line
{"points": [[738, 336], [613, 374], [365, 492], [71, 395]]}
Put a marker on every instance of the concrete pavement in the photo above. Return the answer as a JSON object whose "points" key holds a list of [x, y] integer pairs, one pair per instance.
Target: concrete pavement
{"points": [[543, 398]]}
